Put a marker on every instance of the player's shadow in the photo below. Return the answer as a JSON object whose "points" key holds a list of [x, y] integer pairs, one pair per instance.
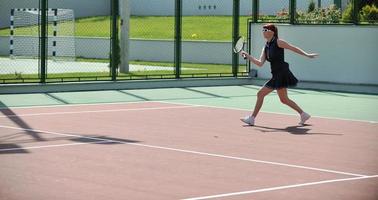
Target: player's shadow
{"points": [[295, 130]]}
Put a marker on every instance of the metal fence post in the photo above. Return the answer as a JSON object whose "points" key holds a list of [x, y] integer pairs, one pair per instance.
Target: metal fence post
{"points": [[43, 41], [293, 11], [255, 10], [114, 62], [178, 34], [337, 3], [235, 35], [355, 11]]}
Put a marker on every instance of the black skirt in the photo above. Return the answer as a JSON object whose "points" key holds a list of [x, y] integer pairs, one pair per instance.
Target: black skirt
{"points": [[282, 79]]}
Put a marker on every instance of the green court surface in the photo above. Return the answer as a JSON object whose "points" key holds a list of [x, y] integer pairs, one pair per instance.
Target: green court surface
{"points": [[350, 106]]}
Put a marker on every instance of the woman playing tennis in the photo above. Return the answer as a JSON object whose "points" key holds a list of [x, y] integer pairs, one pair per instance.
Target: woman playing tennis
{"points": [[282, 78]]}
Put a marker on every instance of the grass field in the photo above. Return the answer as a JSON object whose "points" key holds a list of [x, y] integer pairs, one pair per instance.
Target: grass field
{"points": [[156, 27]]}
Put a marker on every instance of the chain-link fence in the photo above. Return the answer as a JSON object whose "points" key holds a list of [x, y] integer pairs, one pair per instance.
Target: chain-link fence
{"points": [[320, 12], [91, 40], [151, 43], [273, 11], [362, 12], [19, 39], [77, 44], [78, 40], [151, 39], [206, 39], [207, 34]]}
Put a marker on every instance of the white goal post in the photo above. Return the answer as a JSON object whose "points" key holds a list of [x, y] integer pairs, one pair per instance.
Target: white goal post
{"points": [[25, 33]]}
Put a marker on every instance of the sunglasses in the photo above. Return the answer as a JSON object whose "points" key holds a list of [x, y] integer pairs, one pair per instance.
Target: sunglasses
{"points": [[266, 30]]}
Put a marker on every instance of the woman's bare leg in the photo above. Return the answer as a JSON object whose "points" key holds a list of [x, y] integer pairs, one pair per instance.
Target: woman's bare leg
{"points": [[282, 93], [260, 99]]}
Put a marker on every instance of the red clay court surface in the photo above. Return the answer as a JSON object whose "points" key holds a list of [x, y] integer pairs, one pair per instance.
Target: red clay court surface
{"points": [[156, 150]]}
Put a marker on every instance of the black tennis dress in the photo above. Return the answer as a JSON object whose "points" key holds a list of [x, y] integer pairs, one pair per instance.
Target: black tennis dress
{"points": [[281, 74]]}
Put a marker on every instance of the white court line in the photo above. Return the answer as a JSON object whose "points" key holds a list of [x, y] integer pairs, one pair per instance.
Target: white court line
{"points": [[73, 105], [53, 145], [177, 103], [278, 113], [280, 188], [100, 111], [193, 152]]}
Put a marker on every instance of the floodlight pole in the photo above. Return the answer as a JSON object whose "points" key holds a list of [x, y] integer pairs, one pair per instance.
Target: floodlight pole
{"points": [[43, 41], [125, 28]]}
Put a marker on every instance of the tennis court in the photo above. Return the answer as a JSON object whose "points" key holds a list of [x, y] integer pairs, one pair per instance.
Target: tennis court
{"points": [[187, 143]]}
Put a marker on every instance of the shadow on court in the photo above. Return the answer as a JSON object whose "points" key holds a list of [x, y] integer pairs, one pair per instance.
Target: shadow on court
{"points": [[20, 122], [11, 149], [295, 130], [15, 147], [14, 138], [102, 140], [205, 95]]}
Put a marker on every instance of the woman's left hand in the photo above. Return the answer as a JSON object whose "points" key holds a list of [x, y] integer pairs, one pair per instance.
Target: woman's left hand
{"points": [[312, 55]]}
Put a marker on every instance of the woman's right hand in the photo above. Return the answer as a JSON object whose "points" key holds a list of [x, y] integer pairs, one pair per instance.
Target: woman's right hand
{"points": [[244, 54]]}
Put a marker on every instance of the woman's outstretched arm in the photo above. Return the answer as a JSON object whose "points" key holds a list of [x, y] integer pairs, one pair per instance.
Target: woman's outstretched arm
{"points": [[286, 45]]}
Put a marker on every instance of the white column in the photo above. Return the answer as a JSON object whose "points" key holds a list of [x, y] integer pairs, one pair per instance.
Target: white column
{"points": [[124, 7]]}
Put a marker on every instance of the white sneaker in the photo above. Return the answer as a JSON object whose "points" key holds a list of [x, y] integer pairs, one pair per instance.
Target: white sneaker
{"points": [[250, 120], [304, 118]]}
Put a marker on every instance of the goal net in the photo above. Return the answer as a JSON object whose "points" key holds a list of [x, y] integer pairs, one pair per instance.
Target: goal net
{"points": [[25, 33]]}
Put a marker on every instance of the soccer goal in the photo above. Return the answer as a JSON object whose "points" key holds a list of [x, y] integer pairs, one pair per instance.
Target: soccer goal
{"points": [[25, 33]]}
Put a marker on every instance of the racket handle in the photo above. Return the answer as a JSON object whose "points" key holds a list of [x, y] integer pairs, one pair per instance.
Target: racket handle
{"points": [[245, 57]]}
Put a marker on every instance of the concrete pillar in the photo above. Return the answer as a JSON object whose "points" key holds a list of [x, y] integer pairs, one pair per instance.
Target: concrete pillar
{"points": [[124, 35]]}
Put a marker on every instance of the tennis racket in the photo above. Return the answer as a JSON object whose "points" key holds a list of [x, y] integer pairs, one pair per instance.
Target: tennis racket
{"points": [[239, 45]]}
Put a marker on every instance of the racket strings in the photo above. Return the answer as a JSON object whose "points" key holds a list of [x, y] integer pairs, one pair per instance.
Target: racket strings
{"points": [[239, 45]]}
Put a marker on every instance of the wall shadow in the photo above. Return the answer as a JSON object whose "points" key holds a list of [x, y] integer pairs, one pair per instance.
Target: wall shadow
{"points": [[105, 140], [11, 149]]}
